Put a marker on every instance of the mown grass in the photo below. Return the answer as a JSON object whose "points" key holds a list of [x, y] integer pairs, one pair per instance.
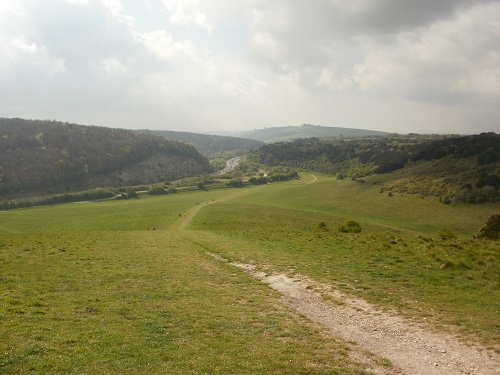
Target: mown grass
{"points": [[79, 294]]}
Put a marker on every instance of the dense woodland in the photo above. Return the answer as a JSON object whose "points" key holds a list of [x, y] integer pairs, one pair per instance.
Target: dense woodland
{"points": [[211, 144], [53, 157], [469, 166]]}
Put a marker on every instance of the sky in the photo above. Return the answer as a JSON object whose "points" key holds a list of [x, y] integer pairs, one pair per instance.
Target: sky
{"points": [[403, 66]]}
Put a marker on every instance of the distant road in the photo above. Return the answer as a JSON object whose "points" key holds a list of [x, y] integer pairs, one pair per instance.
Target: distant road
{"points": [[313, 180], [230, 165]]}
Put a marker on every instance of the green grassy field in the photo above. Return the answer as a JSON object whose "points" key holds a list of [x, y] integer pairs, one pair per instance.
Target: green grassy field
{"points": [[84, 288]]}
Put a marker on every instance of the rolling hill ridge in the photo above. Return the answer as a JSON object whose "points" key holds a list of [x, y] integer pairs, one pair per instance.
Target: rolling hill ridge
{"points": [[289, 133]]}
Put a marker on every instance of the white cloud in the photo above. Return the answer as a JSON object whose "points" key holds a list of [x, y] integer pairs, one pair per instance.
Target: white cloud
{"points": [[206, 15], [291, 83], [330, 79], [10, 7], [165, 47], [72, 2], [187, 12], [113, 67], [376, 67], [115, 9], [20, 50], [486, 84]]}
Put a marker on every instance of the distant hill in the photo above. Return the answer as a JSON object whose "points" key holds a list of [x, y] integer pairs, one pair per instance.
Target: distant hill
{"points": [[288, 133], [48, 157], [209, 144], [455, 169]]}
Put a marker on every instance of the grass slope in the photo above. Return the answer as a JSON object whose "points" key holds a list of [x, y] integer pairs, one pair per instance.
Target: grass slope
{"points": [[395, 262], [85, 288], [288, 133]]}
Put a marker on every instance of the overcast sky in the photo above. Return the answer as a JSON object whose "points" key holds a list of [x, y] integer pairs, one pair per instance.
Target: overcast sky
{"points": [[425, 66]]}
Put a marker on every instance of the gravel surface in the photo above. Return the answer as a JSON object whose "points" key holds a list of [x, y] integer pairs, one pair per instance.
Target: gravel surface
{"points": [[411, 348]]}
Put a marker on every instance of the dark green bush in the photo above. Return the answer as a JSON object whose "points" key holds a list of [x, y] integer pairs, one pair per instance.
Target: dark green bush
{"points": [[491, 229], [131, 193], [157, 190], [322, 226], [235, 183], [350, 227], [261, 180]]}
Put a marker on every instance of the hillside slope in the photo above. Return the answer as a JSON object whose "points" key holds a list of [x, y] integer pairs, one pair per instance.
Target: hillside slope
{"points": [[46, 157], [288, 133], [209, 144], [455, 169]]}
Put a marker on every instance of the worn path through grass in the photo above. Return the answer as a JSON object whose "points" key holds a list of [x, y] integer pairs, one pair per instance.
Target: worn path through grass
{"points": [[185, 217], [84, 288], [412, 347]]}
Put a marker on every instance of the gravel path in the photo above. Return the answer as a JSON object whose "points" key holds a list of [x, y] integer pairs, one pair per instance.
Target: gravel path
{"points": [[412, 349]]}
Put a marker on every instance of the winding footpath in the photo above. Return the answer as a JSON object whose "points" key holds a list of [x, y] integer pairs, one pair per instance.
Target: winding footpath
{"points": [[411, 348]]}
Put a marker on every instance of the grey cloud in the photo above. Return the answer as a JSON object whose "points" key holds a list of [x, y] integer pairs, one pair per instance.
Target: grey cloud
{"points": [[428, 44], [304, 29], [389, 16], [294, 61]]}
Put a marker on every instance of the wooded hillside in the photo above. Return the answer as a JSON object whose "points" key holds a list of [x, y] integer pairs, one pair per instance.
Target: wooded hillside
{"points": [[466, 168], [210, 144], [46, 157]]}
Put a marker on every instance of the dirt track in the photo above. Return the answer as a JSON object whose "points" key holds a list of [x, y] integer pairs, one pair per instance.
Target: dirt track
{"points": [[412, 349]]}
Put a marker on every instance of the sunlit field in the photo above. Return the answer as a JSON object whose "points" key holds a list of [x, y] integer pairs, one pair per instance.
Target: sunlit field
{"points": [[85, 288], [395, 262]]}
